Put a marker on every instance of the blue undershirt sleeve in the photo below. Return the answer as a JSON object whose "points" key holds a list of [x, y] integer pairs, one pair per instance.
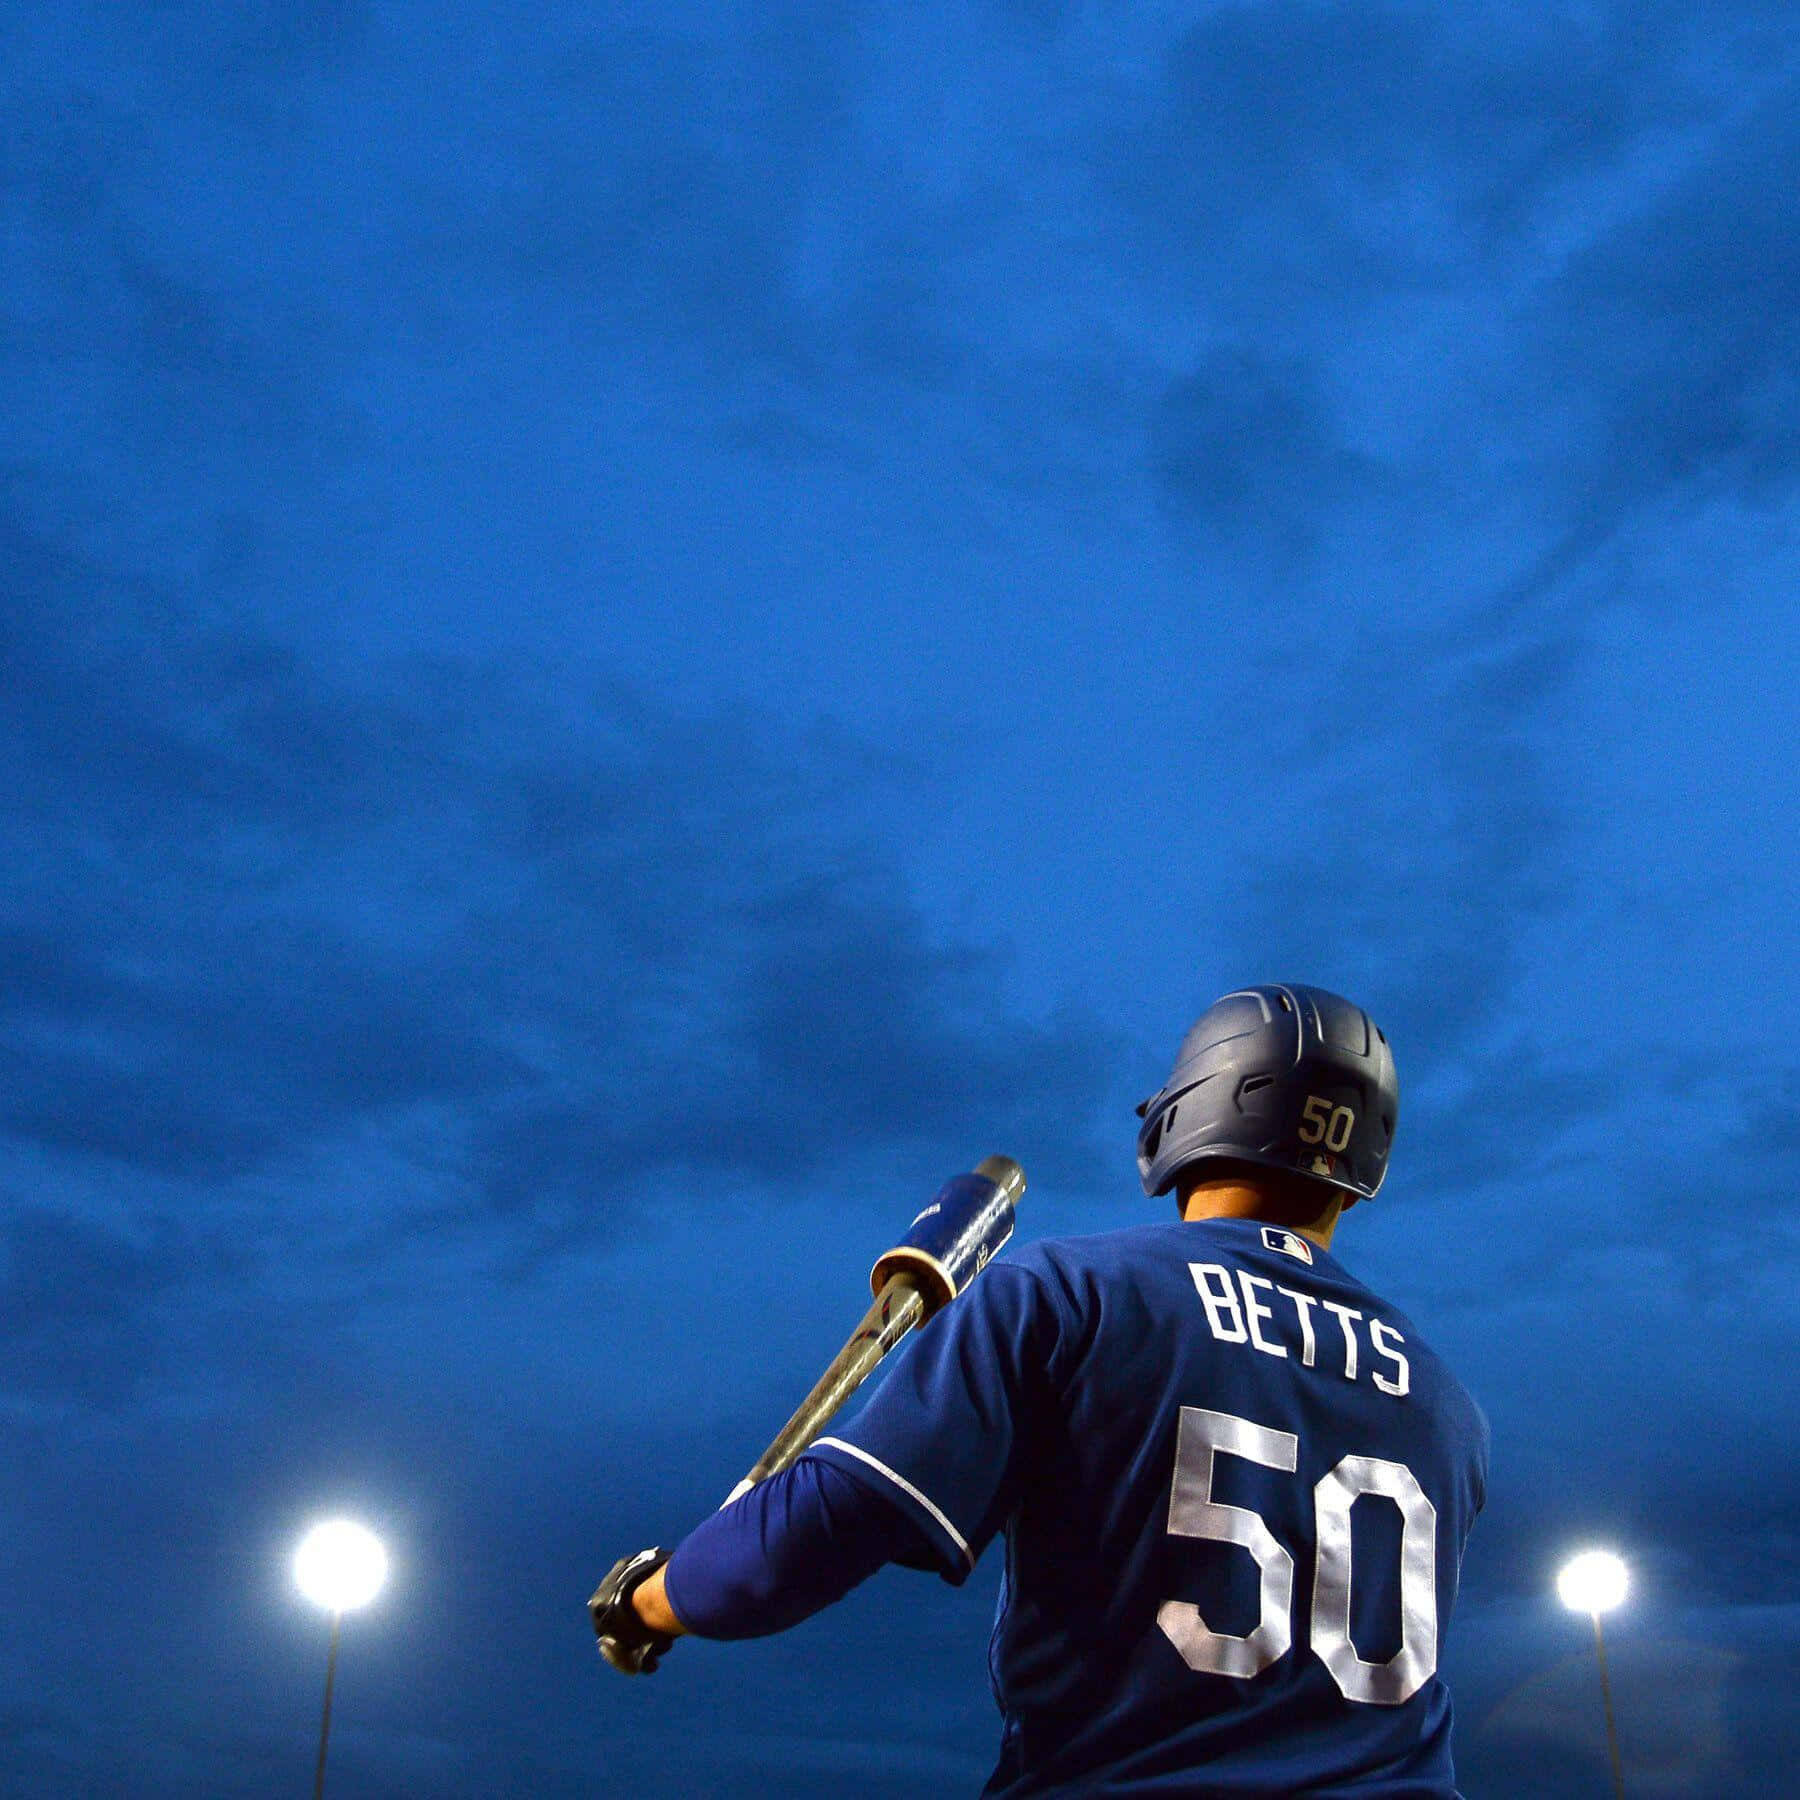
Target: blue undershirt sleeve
{"points": [[791, 1545]]}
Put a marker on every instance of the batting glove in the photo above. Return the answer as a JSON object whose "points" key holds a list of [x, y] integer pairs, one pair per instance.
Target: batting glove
{"points": [[625, 1640]]}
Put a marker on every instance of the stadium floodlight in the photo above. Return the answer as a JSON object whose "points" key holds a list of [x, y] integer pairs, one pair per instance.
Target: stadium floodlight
{"points": [[340, 1566], [1594, 1583]]}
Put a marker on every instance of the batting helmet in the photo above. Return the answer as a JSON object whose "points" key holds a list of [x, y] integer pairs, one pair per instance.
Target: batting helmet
{"points": [[1288, 1077]]}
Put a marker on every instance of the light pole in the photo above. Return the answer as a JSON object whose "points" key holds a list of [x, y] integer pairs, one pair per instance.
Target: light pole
{"points": [[1595, 1582], [339, 1566]]}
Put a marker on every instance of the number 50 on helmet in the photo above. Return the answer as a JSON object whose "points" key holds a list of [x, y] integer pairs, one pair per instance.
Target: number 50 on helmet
{"points": [[1286, 1077]]}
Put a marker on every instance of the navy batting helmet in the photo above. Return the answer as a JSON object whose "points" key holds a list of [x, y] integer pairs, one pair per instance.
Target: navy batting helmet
{"points": [[1288, 1077]]}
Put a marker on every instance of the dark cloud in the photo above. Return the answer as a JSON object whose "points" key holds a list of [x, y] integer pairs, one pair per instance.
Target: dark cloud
{"points": [[1252, 448], [1348, 190], [1411, 843], [1392, 143], [80, 1303], [265, 910], [1676, 332], [666, 179], [164, 389]]}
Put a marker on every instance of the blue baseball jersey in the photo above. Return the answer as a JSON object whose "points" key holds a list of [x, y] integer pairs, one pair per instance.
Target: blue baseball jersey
{"points": [[1234, 1487]]}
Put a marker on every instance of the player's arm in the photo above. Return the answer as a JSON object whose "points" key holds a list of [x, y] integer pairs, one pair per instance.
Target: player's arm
{"points": [[790, 1546]]}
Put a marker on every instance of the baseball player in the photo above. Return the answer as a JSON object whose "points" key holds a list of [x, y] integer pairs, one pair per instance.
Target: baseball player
{"points": [[1233, 1483]]}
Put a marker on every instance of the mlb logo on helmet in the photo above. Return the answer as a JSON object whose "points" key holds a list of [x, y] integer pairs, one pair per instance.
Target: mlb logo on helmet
{"points": [[1287, 1243]]}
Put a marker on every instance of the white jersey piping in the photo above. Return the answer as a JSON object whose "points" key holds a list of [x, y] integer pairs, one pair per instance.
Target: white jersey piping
{"points": [[900, 1481]]}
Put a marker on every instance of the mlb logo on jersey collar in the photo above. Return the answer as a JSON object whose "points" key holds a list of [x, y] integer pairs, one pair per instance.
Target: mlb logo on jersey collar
{"points": [[1287, 1243]]}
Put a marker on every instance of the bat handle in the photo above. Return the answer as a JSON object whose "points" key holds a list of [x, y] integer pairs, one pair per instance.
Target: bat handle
{"points": [[899, 1306]]}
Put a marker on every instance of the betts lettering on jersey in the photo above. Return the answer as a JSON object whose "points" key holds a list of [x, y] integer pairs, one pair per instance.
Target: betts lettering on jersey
{"points": [[1235, 1320]]}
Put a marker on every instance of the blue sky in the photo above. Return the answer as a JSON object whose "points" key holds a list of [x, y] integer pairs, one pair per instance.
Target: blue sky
{"points": [[631, 634]]}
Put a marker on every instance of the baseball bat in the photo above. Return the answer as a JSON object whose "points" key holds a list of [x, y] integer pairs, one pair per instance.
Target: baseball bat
{"points": [[944, 1249]]}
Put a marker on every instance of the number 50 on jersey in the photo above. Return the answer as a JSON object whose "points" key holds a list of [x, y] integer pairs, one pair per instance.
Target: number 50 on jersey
{"points": [[1205, 1436]]}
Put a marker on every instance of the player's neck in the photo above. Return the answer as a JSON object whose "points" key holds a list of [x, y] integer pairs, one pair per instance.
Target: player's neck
{"points": [[1243, 1200]]}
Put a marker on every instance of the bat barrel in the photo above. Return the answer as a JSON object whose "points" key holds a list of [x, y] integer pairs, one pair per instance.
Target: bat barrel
{"points": [[945, 1248], [899, 1306]]}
